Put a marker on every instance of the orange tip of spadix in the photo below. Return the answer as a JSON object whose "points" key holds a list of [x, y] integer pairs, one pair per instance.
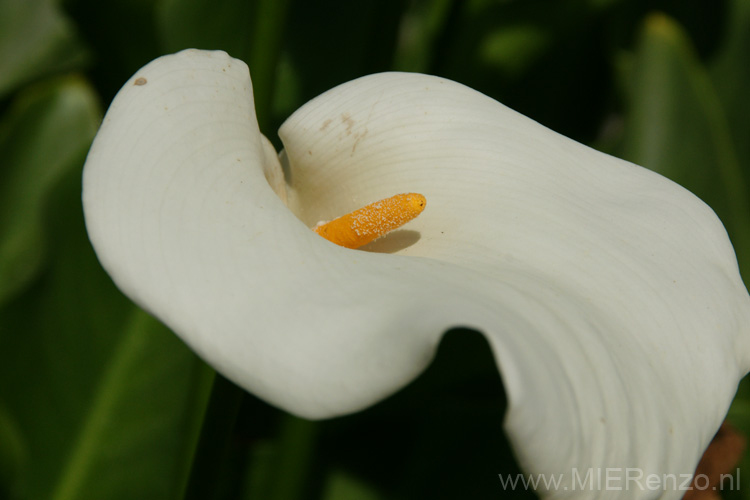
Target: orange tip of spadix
{"points": [[362, 226]]}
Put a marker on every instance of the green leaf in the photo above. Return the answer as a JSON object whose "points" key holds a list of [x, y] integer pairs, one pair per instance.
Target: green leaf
{"points": [[13, 456], [211, 466], [419, 33], [739, 416], [730, 74], [514, 49], [344, 486], [135, 426], [545, 62], [333, 41], [206, 24], [121, 37], [676, 125], [35, 40], [268, 33], [42, 138], [283, 467], [107, 400]]}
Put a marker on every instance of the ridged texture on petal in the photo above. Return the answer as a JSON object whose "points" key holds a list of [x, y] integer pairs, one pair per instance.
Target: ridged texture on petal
{"points": [[610, 296]]}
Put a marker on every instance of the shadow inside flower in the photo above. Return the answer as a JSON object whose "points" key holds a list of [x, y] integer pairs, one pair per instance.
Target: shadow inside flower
{"points": [[393, 241]]}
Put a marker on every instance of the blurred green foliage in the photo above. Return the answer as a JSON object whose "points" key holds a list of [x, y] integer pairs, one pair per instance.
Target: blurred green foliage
{"points": [[98, 400]]}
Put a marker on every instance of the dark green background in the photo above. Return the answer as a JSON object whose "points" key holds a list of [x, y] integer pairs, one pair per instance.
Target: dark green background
{"points": [[99, 401]]}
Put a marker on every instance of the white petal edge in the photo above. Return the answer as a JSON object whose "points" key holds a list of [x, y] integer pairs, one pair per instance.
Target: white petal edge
{"points": [[610, 296]]}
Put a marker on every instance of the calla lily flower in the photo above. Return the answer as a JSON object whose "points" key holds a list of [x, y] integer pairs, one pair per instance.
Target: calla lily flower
{"points": [[610, 296]]}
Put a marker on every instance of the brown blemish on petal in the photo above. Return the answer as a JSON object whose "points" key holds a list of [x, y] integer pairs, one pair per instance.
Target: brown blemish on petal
{"points": [[346, 119], [325, 124], [358, 137], [140, 81]]}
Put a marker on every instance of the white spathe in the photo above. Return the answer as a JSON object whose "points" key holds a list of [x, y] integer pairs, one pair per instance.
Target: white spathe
{"points": [[610, 295]]}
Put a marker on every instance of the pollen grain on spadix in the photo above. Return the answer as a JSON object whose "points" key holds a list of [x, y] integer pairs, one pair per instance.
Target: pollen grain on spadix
{"points": [[362, 226]]}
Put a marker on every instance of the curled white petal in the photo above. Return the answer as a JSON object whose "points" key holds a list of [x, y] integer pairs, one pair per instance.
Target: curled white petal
{"points": [[610, 296]]}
